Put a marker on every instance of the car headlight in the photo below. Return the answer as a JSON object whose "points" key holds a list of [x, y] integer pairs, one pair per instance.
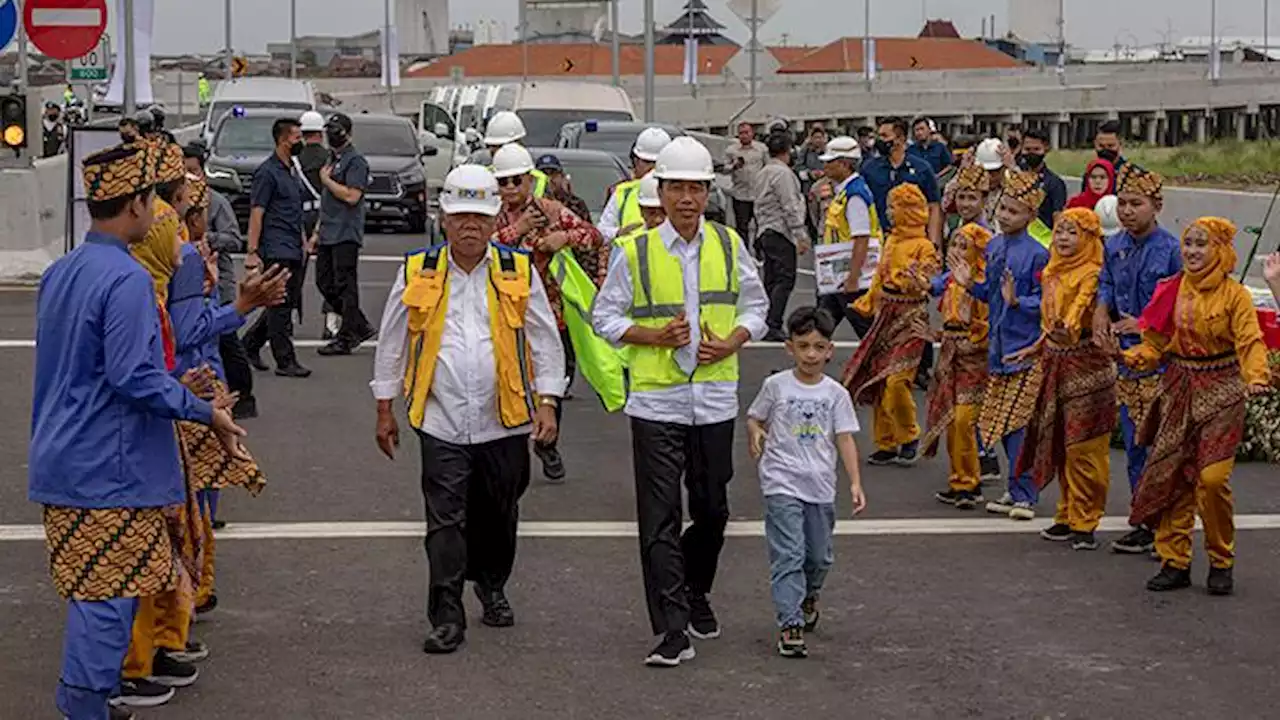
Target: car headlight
{"points": [[213, 172], [412, 176]]}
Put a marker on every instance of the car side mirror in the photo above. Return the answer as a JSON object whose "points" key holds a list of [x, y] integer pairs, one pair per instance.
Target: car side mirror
{"points": [[430, 151]]}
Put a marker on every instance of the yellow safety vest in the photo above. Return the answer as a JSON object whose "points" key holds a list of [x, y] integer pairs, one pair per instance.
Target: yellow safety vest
{"points": [[836, 228], [426, 294], [539, 182], [598, 360], [627, 198], [1041, 232], [657, 281]]}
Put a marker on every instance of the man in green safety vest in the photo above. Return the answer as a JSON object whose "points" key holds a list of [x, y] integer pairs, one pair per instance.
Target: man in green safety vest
{"points": [[203, 90], [623, 209], [682, 299], [505, 128]]}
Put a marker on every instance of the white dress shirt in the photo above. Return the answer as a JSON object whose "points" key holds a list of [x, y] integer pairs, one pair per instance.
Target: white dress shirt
{"points": [[703, 403], [610, 218], [462, 405]]}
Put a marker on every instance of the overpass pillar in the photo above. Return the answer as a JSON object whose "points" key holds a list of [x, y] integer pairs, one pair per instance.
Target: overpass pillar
{"points": [[1202, 127], [1242, 125]]}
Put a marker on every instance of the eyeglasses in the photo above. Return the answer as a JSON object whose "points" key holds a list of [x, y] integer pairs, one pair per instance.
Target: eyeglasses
{"points": [[514, 180]]}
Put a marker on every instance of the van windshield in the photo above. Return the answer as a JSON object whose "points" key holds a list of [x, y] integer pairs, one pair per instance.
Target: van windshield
{"points": [[243, 135], [218, 109], [542, 126]]}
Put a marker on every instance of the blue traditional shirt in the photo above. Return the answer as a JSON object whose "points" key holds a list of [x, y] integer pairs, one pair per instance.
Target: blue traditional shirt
{"points": [[102, 433], [198, 320], [1130, 273], [1012, 328]]}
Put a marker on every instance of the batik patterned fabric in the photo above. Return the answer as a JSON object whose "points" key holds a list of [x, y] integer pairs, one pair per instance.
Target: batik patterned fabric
{"points": [[100, 554], [198, 191], [1077, 403], [117, 172], [960, 379], [1137, 394], [973, 177], [892, 345], [1137, 180], [1008, 403], [1026, 187], [210, 467], [170, 166], [1196, 420]]}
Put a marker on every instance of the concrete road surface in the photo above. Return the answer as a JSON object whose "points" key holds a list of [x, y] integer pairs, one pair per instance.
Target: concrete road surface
{"points": [[929, 612]]}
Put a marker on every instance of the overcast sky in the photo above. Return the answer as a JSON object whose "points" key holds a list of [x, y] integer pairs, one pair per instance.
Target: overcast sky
{"points": [[187, 25]]}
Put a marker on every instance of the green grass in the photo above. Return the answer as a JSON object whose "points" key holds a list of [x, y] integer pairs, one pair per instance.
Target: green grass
{"points": [[1227, 162]]}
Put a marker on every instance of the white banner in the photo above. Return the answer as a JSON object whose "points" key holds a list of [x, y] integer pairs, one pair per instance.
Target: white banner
{"points": [[143, 14], [831, 265], [690, 61], [390, 58]]}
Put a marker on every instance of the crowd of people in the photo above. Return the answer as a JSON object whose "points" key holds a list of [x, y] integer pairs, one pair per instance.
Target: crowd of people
{"points": [[1051, 333]]}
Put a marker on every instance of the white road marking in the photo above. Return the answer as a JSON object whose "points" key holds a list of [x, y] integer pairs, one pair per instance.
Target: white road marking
{"points": [[372, 344], [400, 258], [592, 529], [65, 17]]}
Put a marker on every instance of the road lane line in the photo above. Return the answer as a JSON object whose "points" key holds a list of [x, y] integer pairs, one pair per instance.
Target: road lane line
{"points": [[373, 344], [400, 258], [592, 529]]}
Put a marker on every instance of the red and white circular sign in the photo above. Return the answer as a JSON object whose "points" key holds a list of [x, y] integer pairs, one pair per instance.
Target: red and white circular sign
{"points": [[65, 29]]}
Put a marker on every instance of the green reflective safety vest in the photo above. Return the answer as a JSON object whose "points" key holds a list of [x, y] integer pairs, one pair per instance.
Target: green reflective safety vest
{"points": [[202, 90], [658, 296], [627, 198], [1041, 232], [598, 360]]}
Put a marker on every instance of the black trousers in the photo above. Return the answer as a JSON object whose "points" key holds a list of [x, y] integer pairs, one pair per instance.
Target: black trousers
{"points": [[570, 369], [676, 565], [275, 324], [235, 362], [743, 210], [779, 274], [472, 495], [337, 269], [838, 305]]}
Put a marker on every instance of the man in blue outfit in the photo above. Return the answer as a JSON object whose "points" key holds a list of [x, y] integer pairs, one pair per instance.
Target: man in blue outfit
{"points": [[103, 455], [1137, 259]]}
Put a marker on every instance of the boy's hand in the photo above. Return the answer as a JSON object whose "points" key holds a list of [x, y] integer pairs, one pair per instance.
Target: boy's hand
{"points": [[755, 441], [1008, 290], [859, 499]]}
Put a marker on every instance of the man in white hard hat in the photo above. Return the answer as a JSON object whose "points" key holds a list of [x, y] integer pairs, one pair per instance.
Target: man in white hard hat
{"points": [[851, 220], [701, 301], [459, 323], [650, 202], [542, 227], [622, 211], [503, 129]]}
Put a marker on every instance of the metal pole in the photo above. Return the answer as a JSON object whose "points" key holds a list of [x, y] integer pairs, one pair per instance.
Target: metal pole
{"points": [[22, 52], [648, 61], [180, 99], [1266, 30], [130, 98], [293, 38], [1062, 42], [755, 46], [226, 22], [1215, 56], [524, 41], [616, 50], [386, 53], [866, 41]]}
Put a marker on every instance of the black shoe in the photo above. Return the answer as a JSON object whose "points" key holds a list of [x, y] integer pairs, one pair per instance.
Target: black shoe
{"points": [[219, 524], [119, 713], [908, 454], [368, 334], [552, 463], [1169, 578], [674, 649], [702, 619], [990, 465], [335, 347], [255, 359], [140, 692], [209, 605], [947, 497], [791, 643], [811, 613], [883, 457], [1057, 532], [444, 639], [1084, 541], [775, 336], [966, 500], [194, 652], [294, 371], [922, 380], [245, 408], [1138, 541], [497, 611], [168, 671], [1220, 581]]}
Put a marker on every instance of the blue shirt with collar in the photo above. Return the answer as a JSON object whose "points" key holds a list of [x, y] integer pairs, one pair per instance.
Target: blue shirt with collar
{"points": [[279, 193], [1130, 272], [198, 320], [882, 176], [932, 152], [1017, 327], [102, 433]]}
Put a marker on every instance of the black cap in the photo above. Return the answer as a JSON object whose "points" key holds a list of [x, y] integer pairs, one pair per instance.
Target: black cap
{"points": [[549, 162], [144, 120], [341, 121], [195, 149]]}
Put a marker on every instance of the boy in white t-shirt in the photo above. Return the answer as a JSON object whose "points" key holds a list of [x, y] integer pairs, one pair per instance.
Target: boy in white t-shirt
{"points": [[797, 424]]}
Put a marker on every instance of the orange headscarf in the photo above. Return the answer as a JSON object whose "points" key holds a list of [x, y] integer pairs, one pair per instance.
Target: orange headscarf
{"points": [[1222, 252], [909, 211], [1070, 283]]}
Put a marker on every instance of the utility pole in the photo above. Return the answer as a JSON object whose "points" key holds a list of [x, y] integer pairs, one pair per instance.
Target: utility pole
{"points": [[648, 61], [293, 38], [524, 40], [1215, 54], [130, 98], [1266, 30], [387, 58], [226, 23], [1062, 42], [755, 46], [867, 60], [615, 48]]}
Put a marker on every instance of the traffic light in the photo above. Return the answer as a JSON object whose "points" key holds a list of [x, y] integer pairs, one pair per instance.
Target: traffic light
{"points": [[13, 121]]}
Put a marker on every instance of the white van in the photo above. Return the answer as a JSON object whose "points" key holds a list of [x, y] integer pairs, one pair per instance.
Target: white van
{"points": [[296, 96]]}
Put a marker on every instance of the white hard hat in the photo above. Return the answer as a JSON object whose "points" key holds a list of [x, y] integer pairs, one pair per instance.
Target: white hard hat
{"points": [[841, 146], [470, 189], [312, 121], [512, 160], [685, 159], [472, 135], [649, 191], [988, 154], [505, 127], [1107, 215], [650, 142]]}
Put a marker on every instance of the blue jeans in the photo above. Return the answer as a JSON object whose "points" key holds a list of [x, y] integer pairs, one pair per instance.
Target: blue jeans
{"points": [[1136, 454], [1021, 487], [97, 638], [800, 552]]}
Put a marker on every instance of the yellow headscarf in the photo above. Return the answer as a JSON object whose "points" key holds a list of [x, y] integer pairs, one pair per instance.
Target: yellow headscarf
{"points": [[1069, 284], [909, 211], [1222, 253], [158, 251], [978, 237]]}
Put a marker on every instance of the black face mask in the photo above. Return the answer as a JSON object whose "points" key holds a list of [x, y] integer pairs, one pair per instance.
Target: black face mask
{"points": [[1032, 161], [1109, 155], [336, 137], [128, 138], [296, 149], [1012, 143], [884, 147]]}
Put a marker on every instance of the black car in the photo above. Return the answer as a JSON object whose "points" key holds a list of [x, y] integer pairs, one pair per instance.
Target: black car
{"points": [[591, 174], [241, 142]]}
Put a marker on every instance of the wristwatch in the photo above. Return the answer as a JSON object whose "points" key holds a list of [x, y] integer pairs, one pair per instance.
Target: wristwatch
{"points": [[549, 400]]}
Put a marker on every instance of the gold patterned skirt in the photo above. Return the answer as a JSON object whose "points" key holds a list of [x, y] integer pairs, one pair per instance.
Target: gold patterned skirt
{"points": [[1008, 403], [209, 466], [1137, 394], [959, 378], [892, 345], [101, 554]]}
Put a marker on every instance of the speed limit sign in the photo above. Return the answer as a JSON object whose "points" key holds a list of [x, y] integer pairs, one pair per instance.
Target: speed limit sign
{"points": [[92, 66]]}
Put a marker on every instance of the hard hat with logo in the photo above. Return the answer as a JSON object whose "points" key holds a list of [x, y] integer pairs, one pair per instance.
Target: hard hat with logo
{"points": [[512, 160], [470, 189], [685, 159], [505, 127], [649, 191], [841, 146], [988, 154], [312, 121], [650, 142], [1108, 215]]}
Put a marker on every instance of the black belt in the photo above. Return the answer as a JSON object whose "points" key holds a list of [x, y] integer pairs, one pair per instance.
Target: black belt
{"points": [[1208, 358]]}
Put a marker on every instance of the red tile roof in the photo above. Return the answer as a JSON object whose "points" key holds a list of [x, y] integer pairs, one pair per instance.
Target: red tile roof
{"points": [[940, 29], [894, 53], [791, 53], [573, 60]]}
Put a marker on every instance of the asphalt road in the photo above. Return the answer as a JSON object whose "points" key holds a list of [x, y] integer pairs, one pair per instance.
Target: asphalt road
{"points": [[929, 612]]}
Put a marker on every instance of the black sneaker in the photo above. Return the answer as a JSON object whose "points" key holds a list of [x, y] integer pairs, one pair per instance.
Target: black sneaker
{"points": [[990, 467], [194, 652], [219, 524], [169, 672], [497, 610], [1084, 541], [908, 454], [775, 336], [255, 359], [552, 463], [1169, 578], [444, 639], [702, 620], [811, 613], [294, 371], [140, 692], [119, 713], [1220, 581], [337, 346], [791, 643], [966, 500], [209, 605], [1057, 532], [947, 497], [1138, 541], [245, 408], [674, 649], [883, 457]]}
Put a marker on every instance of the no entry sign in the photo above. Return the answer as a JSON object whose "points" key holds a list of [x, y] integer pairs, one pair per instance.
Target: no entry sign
{"points": [[65, 29]]}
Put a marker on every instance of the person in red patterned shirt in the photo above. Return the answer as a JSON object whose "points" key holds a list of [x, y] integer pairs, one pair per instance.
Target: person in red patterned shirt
{"points": [[544, 227]]}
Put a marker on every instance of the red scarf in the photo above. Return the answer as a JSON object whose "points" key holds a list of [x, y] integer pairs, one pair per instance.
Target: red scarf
{"points": [[167, 340], [1158, 314], [1088, 198]]}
